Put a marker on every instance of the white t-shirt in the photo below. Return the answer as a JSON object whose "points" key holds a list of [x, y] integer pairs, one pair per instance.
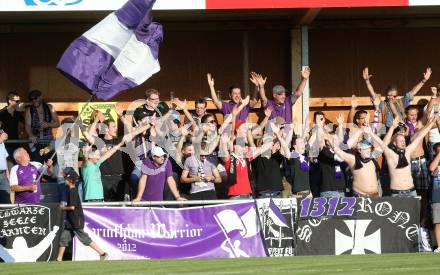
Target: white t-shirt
{"points": [[197, 168], [67, 156], [3, 155]]}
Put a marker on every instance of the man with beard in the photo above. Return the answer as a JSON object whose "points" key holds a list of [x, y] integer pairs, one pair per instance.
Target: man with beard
{"points": [[398, 157], [40, 119], [362, 166], [10, 118], [156, 172], [282, 103]]}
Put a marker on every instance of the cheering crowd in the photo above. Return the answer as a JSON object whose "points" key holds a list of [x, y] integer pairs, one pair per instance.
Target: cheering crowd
{"points": [[168, 153]]}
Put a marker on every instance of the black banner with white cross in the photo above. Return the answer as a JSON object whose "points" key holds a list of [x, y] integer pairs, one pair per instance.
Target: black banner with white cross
{"points": [[335, 226], [30, 233]]}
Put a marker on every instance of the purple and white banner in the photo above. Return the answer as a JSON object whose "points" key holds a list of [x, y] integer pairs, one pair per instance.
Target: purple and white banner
{"points": [[224, 231]]}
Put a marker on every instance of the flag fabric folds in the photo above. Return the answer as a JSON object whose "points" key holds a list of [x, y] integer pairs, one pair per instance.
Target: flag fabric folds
{"points": [[119, 53]]}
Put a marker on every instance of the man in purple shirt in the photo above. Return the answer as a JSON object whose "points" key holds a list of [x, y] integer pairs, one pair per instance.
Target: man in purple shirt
{"points": [[156, 171], [282, 103], [24, 177], [235, 99]]}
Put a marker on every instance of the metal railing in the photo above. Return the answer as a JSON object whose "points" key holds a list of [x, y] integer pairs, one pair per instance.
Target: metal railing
{"points": [[153, 203]]}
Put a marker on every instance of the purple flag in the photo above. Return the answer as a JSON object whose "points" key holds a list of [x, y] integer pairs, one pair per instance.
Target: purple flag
{"points": [[117, 54], [224, 231], [275, 214]]}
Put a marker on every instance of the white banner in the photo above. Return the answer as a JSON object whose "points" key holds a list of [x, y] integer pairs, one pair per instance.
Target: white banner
{"points": [[92, 5]]}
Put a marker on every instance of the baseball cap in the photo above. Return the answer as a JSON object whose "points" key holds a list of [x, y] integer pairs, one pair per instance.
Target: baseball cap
{"points": [[157, 152], [70, 174], [67, 120], [34, 94], [163, 108], [175, 116], [364, 144], [279, 89], [141, 113], [279, 121]]}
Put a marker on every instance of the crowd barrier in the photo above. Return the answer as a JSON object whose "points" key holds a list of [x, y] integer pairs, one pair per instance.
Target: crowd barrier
{"points": [[217, 229]]}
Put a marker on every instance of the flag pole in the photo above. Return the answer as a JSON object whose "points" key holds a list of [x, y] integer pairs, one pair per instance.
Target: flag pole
{"points": [[228, 240]]}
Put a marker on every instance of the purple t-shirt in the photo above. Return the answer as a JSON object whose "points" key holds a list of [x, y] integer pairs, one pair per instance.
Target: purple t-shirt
{"points": [[227, 107], [156, 179], [284, 110], [25, 176]]}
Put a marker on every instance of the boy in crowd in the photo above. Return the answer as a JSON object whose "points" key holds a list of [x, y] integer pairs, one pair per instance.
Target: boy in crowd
{"points": [[93, 188], [75, 218]]}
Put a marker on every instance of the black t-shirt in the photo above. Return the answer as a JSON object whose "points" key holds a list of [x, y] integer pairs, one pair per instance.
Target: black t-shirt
{"points": [[328, 165], [113, 165], [75, 218], [9, 124], [268, 174], [298, 178]]}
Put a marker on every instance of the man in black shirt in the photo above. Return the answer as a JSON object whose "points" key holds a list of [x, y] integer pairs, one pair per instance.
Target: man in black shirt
{"points": [[74, 223], [268, 176], [10, 117], [112, 170]]}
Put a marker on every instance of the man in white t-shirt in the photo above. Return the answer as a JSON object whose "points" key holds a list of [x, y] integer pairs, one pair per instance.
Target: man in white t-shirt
{"points": [[4, 173], [66, 146], [202, 175]]}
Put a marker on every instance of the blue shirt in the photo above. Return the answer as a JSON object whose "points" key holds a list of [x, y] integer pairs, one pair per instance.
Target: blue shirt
{"points": [[406, 101]]}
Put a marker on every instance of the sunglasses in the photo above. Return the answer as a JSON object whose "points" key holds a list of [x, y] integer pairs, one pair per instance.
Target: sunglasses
{"points": [[33, 98]]}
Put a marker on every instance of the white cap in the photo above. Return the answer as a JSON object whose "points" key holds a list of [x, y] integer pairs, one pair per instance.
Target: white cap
{"points": [[157, 151]]}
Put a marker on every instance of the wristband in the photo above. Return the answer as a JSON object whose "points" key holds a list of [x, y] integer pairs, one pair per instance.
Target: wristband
{"points": [[423, 81]]}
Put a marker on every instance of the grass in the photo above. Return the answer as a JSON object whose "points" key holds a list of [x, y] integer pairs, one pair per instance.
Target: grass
{"points": [[363, 264]]}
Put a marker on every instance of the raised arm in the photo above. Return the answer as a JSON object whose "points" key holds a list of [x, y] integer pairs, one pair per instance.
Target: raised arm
{"points": [[126, 120], [183, 134], [214, 97], [421, 134], [259, 82], [284, 146], [354, 138], [263, 123], [419, 85], [340, 130], [389, 134], [182, 105], [377, 140], [354, 105], [348, 158], [366, 75], [396, 114], [305, 74], [258, 151], [432, 102], [113, 150]]}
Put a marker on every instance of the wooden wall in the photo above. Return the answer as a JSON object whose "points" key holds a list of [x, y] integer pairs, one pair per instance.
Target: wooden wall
{"points": [[395, 56], [28, 60]]}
